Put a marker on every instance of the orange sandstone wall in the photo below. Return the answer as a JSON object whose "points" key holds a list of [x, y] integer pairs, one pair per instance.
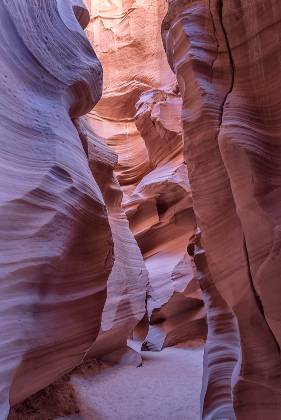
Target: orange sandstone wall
{"points": [[224, 54], [139, 118]]}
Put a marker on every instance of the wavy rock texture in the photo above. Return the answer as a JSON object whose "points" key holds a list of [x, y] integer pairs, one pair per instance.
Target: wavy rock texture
{"points": [[162, 219], [127, 32], [56, 240], [222, 348], [126, 287], [222, 53], [151, 170]]}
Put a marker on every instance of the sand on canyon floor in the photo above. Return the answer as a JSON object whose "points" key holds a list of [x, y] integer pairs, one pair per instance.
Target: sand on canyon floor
{"points": [[166, 387]]}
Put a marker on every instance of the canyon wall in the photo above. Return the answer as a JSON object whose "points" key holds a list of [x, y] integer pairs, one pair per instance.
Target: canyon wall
{"points": [[111, 226], [55, 234], [73, 280], [225, 55], [161, 216], [125, 304], [139, 118]]}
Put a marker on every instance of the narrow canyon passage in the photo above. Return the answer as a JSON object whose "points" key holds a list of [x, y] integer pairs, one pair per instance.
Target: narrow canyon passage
{"points": [[166, 387], [140, 217]]}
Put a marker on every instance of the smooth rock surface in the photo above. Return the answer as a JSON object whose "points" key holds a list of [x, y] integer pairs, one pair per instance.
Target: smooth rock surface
{"points": [[125, 304], [55, 237], [160, 213], [222, 53], [139, 118]]}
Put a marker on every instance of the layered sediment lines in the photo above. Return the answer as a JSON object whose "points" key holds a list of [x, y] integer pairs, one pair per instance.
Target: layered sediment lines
{"points": [[72, 276], [151, 168], [125, 304], [160, 213], [56, 243], [127, 36], [222, 54], [73, 279]]}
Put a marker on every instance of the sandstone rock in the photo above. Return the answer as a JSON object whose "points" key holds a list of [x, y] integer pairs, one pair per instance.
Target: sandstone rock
{"points": [[55, 236], [162, 219], [151, 168], [127, 37], [222, 348], [126, 287], [222, 54]]}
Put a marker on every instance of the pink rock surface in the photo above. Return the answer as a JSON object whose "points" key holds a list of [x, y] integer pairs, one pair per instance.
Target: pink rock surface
{"points": [[161, 216], [151, 168], [99, 239], [127, 32], [125, 304], [55, 237], [77, 286], [222, 348], [223, 54]]}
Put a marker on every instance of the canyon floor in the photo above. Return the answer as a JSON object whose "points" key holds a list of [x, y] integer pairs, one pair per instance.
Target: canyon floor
{"points": [[166, 387]]}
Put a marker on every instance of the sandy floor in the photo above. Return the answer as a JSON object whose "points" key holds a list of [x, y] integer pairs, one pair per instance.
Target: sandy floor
{"points": [[166, 387]]}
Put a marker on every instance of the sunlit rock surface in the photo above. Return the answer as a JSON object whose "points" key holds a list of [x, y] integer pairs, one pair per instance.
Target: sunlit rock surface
{"points": [[127, 38], [139, 118], [223, 54]]}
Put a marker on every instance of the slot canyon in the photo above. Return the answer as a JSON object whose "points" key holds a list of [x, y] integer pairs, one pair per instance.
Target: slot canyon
{"points": [[140, 234]]}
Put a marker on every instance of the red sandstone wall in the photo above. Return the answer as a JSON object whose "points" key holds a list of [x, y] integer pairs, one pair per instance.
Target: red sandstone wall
{"points": [[139, 118], [223, 55]]}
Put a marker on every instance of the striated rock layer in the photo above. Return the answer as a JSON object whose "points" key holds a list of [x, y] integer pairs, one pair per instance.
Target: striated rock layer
{"points": [[72, 277], [63, 233], [161, 216], [151, 168], [127, 36], [223, 54], [126, 287], [55, 237]]}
